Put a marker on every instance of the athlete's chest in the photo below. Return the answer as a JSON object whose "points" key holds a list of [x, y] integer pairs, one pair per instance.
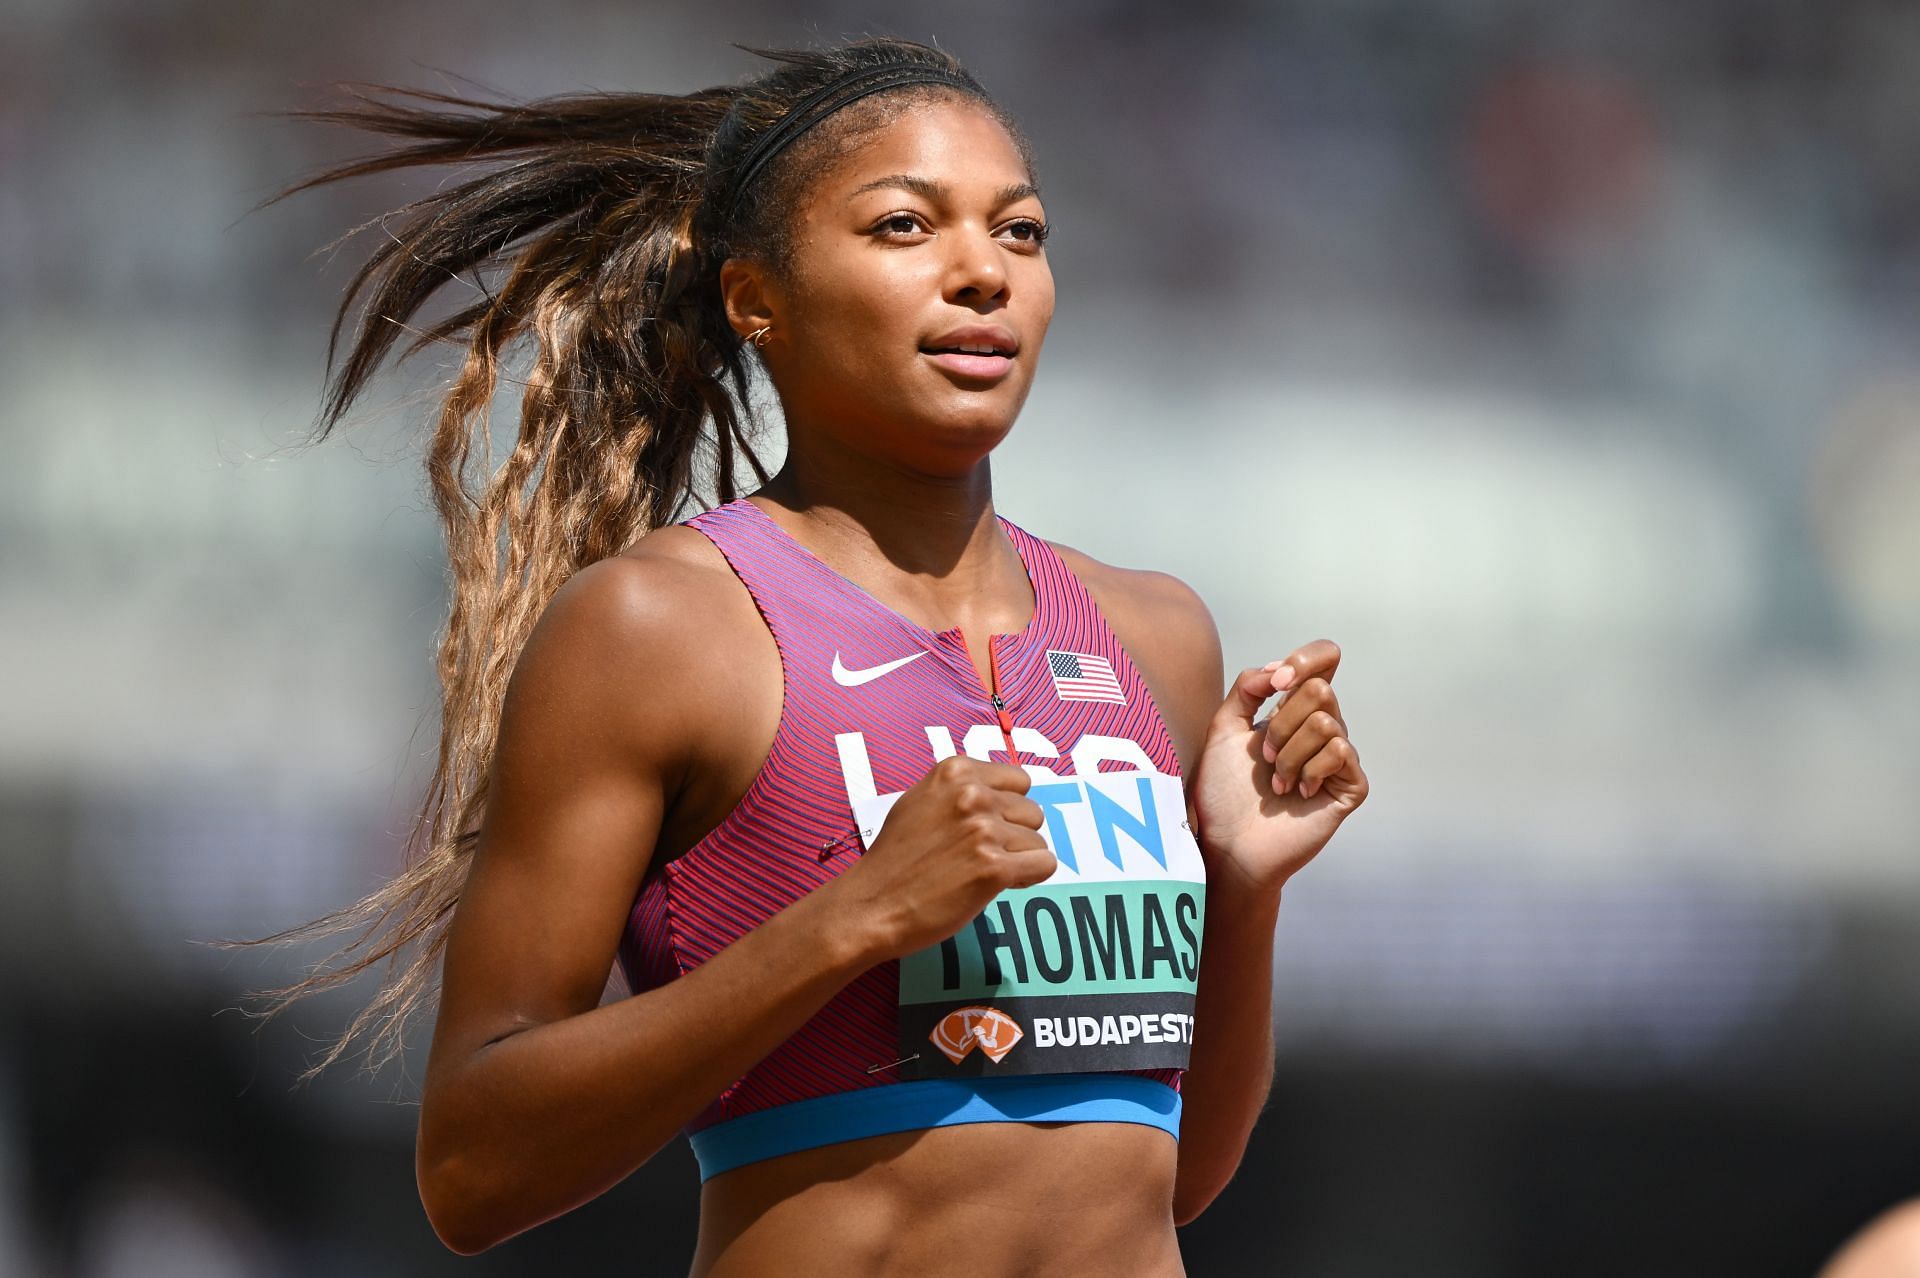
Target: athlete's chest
{"points": [[858, 700], [1057, 703]]}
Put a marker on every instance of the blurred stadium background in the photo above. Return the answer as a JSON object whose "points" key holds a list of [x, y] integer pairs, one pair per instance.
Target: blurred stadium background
{"points": [[1558, 361]]}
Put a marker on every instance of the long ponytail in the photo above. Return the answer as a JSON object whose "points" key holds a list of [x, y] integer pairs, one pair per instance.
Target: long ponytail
{"points": [[603, 222]]}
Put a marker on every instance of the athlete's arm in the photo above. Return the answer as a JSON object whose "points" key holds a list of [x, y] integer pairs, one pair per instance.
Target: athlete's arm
{"points": [[537, 1099], [1167, 629], [1230, 1071]]}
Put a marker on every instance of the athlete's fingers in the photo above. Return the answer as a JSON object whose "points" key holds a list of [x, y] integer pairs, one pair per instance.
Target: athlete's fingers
{"points": [[1294, 708], [1306, 742], [1000, 776], [1032, 866], [1021, 838], [1248, 692], [1251, 687], [1338, 757], [1320, 657], [1020, 810], [1006, 776]]}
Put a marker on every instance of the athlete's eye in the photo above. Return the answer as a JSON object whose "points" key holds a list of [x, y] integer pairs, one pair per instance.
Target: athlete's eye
{"points": [[1028, 230], [886, 223], [1037, 231]]}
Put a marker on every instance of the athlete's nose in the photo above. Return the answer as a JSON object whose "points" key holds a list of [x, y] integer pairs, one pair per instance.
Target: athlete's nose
{"points": [[976, 272]]}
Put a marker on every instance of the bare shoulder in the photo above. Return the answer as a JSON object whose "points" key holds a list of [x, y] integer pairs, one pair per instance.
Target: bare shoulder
{"points": [[1162, 596], [1147, 602], [627, 646], [637, 604], [1169, 632]]}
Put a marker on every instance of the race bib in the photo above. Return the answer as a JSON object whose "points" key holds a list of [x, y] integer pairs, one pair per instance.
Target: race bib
{"points": [[1093, 969]]}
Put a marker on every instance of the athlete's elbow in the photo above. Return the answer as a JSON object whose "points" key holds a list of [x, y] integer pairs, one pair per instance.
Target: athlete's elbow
{"points": [[459, 1242], [1194, 1191], [465, 1205], [452, 1208], [1187, 1207]]}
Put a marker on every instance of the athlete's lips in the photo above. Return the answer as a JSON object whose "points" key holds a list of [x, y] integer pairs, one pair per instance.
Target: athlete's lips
{"points": [[977, 368], [989, 336], [989, 357]]}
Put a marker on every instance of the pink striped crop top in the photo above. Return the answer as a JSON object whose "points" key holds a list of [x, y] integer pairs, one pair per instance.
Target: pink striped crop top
{"points": [[1069, 1000]]}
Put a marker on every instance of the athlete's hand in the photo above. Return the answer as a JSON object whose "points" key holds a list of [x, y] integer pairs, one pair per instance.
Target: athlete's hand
{"points": [[1269, 794], [954, 840]]}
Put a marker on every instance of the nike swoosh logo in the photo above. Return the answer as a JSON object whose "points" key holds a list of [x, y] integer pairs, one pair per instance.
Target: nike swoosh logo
{"points": [[854, 678]]}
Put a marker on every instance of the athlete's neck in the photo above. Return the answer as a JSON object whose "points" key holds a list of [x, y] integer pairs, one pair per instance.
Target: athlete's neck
{"points": [[934, 543]]}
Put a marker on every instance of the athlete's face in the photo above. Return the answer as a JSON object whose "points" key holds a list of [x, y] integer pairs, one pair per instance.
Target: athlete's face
{"points": [[927, 226]]}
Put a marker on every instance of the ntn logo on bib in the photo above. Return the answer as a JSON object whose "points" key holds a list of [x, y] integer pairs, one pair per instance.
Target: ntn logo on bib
{"points": [[1100, 826]]}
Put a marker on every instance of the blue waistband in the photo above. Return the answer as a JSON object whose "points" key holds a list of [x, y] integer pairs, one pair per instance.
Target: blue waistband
{"points": [[934, 1102]]}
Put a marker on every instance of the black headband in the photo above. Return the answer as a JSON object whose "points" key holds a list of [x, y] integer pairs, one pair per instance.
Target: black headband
{"points": [[827, 99]]}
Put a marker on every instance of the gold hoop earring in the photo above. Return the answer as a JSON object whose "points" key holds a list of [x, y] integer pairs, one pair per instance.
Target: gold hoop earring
{"points": [[760, 333]]}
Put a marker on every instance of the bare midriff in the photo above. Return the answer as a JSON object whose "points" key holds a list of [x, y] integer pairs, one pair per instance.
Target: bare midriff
{"points": [[1001, 1199]]}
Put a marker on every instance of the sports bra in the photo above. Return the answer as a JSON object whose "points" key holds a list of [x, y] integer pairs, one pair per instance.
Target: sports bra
{"points": [[872, 700]]}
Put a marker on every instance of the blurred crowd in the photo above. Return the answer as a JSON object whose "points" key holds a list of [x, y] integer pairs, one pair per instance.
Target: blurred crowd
{"points": [[1559, 362]]}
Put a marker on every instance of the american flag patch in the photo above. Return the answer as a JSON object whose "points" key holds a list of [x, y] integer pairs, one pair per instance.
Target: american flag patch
{"points": [[1081, 676]]}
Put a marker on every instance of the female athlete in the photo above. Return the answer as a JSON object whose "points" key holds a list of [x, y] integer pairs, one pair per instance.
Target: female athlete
{"points": [[863, 787]]}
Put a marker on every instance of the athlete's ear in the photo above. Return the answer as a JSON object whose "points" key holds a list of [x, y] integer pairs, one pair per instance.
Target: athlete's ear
{"points": [[749, 294]]}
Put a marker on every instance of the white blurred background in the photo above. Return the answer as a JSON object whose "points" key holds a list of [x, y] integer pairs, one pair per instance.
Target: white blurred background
{"points": [[1559, 362]]}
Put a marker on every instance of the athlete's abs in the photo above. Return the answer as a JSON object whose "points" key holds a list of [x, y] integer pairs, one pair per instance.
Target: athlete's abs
{"points": [[1000, 1199]]}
